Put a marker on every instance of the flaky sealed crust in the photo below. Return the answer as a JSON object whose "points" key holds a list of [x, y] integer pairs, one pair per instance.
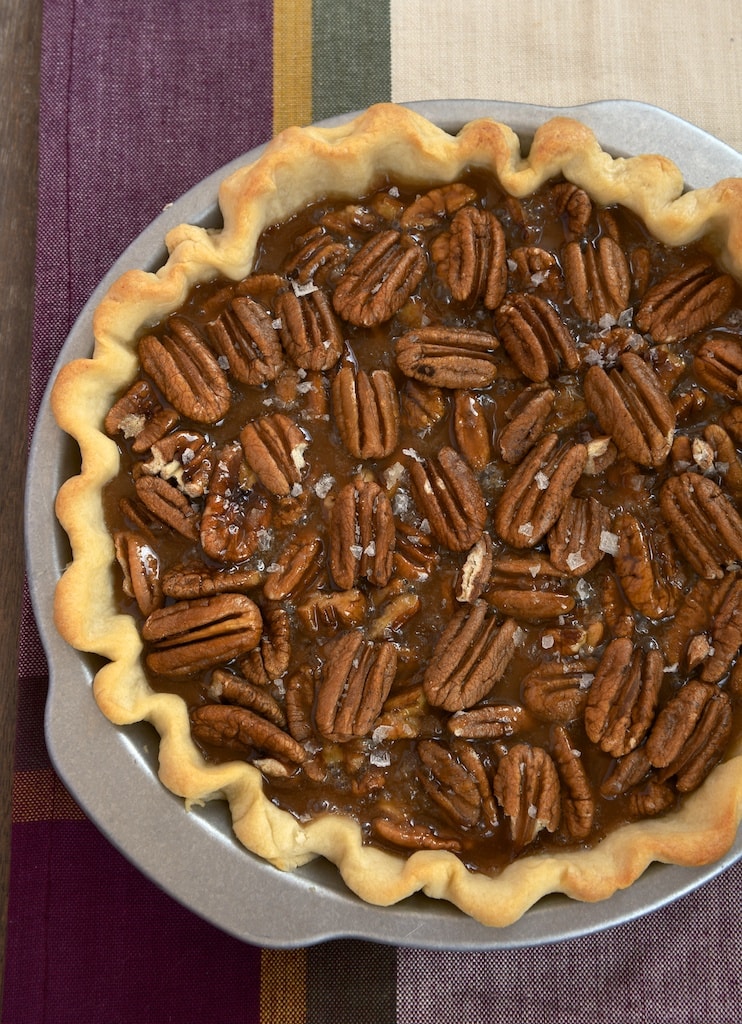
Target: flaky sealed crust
{"points": [[349, 161]]}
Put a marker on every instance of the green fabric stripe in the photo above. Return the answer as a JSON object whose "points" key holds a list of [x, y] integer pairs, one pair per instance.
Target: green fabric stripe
{"points": [[351, 56], [350, 981]]}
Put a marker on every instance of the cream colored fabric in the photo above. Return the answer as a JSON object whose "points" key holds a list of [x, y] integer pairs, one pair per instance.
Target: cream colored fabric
{"points": [[682, 55]]}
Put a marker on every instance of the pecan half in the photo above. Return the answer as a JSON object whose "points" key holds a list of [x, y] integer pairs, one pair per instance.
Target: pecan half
{"points": [[623, 697], [296, 567], [433, 206], [704, 523], [447, 494], [526, 785], [366, 410], [578, 802], [534, 267], [228, 688], [139, 416], [537, 492], [310, 332], [244, 335], [140, 566], [232, 517], [475, 572], [645, 566], [489, 722], [448, 357], [574, 540], [356, 678], [687, 301], [186, 371], [194, 579], [415, 556], [184, 457], [274, 449], [631, 405], [192, 636], [574, 206], [718, 366], [449, 784], [379, 279], [726, 634], [470, 657], [362, 535], [557, 691], [690, 733], [270, 660], [535, 337], [470, 257], [230, 725], [471, 430], [413, 837], [322, 612], [422, 405], [168, 505], [317, 255], [597, 278], [527, 417]]}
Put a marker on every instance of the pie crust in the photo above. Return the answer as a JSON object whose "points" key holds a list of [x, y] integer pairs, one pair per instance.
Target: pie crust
{"points": [[349, 161]]}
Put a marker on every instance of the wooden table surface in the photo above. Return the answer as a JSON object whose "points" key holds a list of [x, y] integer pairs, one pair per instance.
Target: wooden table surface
{"points": [[20, 33]]}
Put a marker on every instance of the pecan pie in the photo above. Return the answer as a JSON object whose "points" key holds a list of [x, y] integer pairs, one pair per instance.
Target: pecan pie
{"points": [[409, 510]]}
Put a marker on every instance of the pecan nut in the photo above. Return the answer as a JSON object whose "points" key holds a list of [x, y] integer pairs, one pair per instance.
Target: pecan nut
{"points": [[366, 410], [186, 371], [296, 567], [274, 449], [718, 366], [192, 636], [244, 336], [232, 518], [704, 523], [448, 357], [168, 505], [329, 611], [690, 733], [234, 726], [527, 419], [631, 405], [140, 566], [379, 279], [598, 278], [578, 802], [356, 678], [535, 337], [475, 571], [623, 697], [270, 660], [451, 784], [489, 722], [726, 634], [470, 657], [526, 785], [362, 536], [557, 691], [139, 416], [537, 492], [194, 579], [310, 332], [574, 540], [471, 258], [227, 687], [421, 405], [471, 430], [447, 494], [645, 567], [437, 204], [185, 458], [687, 301]]}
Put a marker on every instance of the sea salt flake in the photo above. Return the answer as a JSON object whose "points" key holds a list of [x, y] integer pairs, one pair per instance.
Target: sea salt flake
{"points": [[542, 480], [393, 474], [575, 560], [265, 538], [380, 758], [303, 289], [277, 324], [532, 810], [412, 454], [519, 637], [671, 668], [606, 322], [296, 490], [370, 549], [394, 192], [424, 526], [223, 362], [608, 542], [324, 485], [583, 589], [356, 551], [380, 733], [526, 529], [547, 641], [273, 567]]}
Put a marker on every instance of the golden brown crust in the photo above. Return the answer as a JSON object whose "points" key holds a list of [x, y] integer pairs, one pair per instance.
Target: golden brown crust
{"points": [[353, 158]]}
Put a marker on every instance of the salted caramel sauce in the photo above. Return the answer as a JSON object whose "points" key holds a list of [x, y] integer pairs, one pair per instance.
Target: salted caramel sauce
{"points": [[374, 777]]}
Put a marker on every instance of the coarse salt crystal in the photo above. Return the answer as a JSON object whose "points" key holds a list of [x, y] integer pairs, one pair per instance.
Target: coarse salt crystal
{"points": [[370, 549], [542, 481], [412, 454], [583, 589], [303, 289], [575, 560], [608, 542], [356, 551], [277, 324], [547, 641], [380, 758], [324, 485], [296, 490], [526, 529]]}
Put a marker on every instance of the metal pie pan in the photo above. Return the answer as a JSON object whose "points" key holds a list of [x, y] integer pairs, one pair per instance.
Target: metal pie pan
{"points": [[193, 855]]}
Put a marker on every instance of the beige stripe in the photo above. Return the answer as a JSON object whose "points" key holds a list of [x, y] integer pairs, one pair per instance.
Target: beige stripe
{"points": [[681, 55], [292, 63], [283, 986]]}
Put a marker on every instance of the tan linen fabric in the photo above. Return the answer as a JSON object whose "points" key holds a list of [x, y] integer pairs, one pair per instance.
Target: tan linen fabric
{"points": [[682, 55]]}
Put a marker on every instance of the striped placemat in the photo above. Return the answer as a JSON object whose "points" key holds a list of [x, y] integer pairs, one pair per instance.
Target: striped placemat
{"points": [[138, 103]]}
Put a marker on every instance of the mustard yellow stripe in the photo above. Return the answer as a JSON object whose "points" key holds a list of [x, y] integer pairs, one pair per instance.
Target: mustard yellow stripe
{"points": [[292, 63], [283, 986]]}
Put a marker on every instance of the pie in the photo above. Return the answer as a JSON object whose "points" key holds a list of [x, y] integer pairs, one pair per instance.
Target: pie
{"points": [[409, 510]]}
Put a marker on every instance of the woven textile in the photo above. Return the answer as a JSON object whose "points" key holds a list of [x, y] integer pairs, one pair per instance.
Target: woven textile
{"points": [[139, 101]]}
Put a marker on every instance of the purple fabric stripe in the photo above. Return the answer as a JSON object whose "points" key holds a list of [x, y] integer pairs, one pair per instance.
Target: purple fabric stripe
{"points": [[90, 939]]}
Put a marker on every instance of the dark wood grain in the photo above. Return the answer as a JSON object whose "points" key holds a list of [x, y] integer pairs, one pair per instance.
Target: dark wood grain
{"points": [[20, 32]]}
